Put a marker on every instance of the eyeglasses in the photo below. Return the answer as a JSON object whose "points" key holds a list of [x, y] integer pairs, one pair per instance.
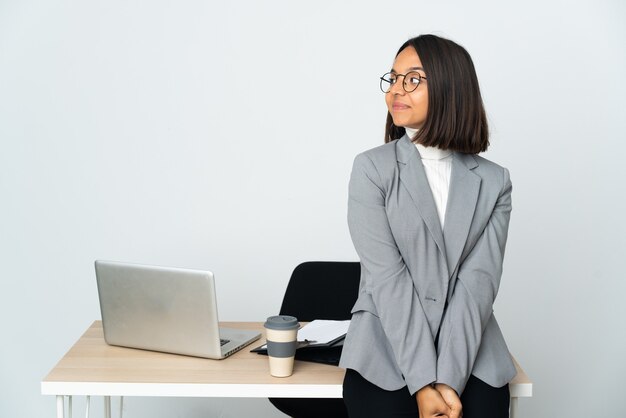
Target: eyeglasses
{"points": [[411, 81]]}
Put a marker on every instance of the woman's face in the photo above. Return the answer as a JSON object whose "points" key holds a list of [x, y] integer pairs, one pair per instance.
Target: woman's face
{"points": [[408, 109]]}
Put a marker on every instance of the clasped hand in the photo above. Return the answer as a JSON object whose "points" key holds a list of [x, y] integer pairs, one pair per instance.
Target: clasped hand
{"points": [[441, 401]]}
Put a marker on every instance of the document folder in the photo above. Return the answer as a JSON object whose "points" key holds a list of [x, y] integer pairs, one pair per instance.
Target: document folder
{"points": [[320, 341]]}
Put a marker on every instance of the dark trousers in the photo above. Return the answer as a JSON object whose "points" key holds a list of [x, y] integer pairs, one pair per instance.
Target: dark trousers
{"points": [[364, 399]]}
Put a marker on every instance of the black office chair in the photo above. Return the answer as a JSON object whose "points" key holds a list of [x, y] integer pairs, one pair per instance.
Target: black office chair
{"points": [[319, 290]]}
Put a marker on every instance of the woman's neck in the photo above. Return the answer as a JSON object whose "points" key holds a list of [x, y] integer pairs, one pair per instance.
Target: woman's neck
{"points": [[427, 153], [411, 132]]}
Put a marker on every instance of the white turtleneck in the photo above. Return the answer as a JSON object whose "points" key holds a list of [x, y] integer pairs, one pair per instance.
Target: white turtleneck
{"points": [[438, 167]]}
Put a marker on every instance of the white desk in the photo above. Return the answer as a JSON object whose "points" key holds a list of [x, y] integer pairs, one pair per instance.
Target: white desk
{"points": [[93, 368]]}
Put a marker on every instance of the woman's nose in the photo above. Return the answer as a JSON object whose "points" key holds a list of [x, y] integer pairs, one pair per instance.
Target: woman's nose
{"points": [[397, 88]]}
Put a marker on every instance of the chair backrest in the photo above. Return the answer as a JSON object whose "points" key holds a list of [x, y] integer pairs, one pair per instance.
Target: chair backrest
{"points": [[322, 290]]}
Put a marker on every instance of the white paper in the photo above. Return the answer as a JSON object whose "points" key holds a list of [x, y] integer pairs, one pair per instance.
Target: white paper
{"points": [[323, 331]]}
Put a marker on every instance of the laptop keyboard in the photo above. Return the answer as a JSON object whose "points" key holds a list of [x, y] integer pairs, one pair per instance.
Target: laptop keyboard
{"points": [[222, 342]]}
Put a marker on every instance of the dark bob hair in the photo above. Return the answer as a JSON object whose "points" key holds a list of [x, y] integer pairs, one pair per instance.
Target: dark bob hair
{"points": [[455, 119]]}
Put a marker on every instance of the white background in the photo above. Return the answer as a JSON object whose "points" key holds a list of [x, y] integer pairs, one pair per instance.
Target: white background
{"points": [[221, 136]]}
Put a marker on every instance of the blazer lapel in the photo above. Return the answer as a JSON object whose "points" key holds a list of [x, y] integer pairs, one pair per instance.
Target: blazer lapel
{"points": [[413, 176], [462, 198]]}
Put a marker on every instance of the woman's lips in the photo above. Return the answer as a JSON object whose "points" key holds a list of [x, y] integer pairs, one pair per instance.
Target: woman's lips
{"points": [[399, 106]]}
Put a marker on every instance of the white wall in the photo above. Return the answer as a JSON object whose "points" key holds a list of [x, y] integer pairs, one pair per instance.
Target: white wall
{"points": [[222, 135]]}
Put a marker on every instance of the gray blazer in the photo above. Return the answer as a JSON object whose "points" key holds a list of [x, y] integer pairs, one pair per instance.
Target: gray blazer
{"points": [[417, 280]]}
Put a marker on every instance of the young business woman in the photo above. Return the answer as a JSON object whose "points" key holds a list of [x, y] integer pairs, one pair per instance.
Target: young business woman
{"points": [[429, 220]]}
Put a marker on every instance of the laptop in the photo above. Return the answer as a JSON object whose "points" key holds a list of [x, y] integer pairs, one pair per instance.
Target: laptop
{"points": [[166, 309]]}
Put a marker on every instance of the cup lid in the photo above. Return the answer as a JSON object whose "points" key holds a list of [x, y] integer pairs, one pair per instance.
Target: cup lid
{"points": [[282, 322]]}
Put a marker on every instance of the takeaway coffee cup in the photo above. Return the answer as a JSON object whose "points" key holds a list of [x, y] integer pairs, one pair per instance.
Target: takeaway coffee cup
{"points": [[281, 332]]}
